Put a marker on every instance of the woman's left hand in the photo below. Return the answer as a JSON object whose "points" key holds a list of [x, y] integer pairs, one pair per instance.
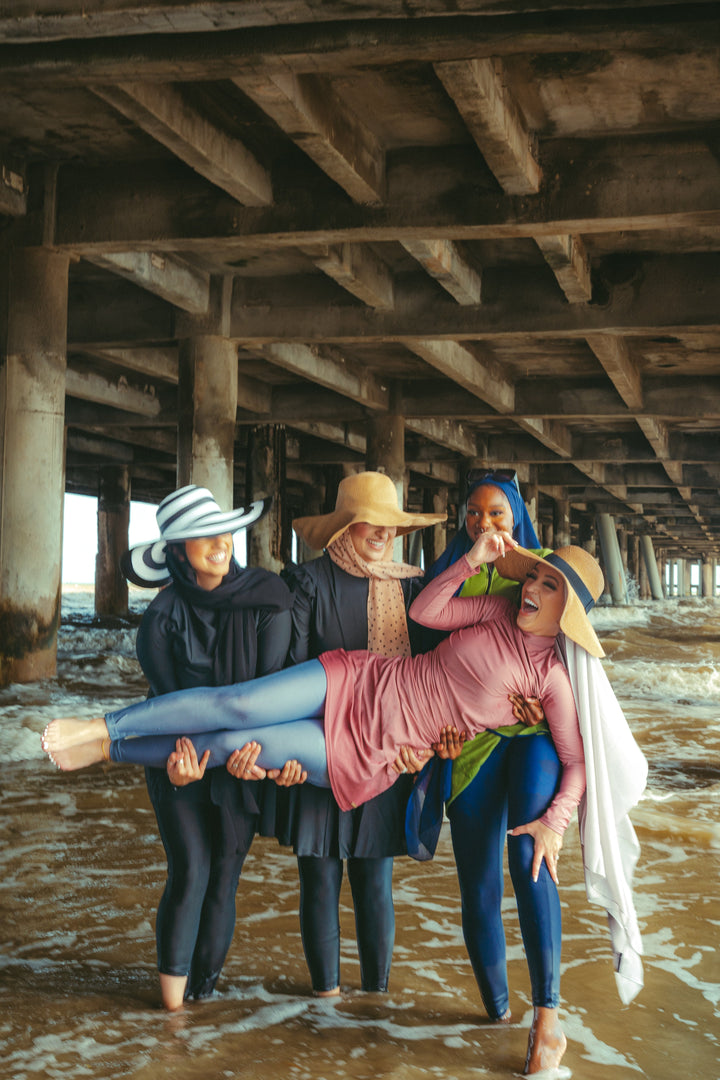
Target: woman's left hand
{"points": [[410, 760], [547, 847], [183, 766], [241, 763], [292, 773]]}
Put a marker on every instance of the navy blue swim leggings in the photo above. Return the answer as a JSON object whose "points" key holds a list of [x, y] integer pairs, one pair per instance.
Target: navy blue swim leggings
{"points": [[515, 786], [283, 711]]}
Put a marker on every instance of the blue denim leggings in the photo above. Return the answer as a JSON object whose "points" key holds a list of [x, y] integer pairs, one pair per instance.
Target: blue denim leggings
{"points": [[515, 786], [282, 711]]}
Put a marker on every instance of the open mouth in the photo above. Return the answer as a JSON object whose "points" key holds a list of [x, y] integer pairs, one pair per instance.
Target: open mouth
{"points": [[529, 605]]}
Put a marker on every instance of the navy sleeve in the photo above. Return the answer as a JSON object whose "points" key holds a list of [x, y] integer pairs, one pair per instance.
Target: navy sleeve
{"points": [[155, 653], [273, 640]]}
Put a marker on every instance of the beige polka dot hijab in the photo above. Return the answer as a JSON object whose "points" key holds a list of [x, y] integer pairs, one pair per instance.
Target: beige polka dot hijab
{"points": [[387, 621]]}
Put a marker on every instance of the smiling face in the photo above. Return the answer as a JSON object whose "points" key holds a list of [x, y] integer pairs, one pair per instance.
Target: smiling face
{"points": [[210, 557], [373, 543], [542, 602], [488, 510]]}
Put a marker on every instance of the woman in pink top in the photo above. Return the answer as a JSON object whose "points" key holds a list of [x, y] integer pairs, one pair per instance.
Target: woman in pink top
{"points": [[347, 715]]}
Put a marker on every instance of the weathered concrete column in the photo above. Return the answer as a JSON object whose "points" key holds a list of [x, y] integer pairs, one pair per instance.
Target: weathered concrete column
{"points": [[708, 577], [651, 566], [561, 529], [614, 570], [548, 535], [269, 542], [207, 408], [385, 453], [682, 576], [587, 537], [113, 518], [33, 336], [435, 538], [531, 499]]}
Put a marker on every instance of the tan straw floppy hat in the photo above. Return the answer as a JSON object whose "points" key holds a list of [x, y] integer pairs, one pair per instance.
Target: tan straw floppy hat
{"points": [[366, 496], [584, 585]]}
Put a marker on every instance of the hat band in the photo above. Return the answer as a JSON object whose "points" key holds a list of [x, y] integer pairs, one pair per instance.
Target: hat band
{"points": [[579, 587]]}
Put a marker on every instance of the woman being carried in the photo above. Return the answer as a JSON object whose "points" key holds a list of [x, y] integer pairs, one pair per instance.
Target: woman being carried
{"points": [[374, 705]]}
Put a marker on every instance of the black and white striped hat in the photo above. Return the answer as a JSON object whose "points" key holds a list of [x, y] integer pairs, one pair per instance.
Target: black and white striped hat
{"points": [[187, 514]]}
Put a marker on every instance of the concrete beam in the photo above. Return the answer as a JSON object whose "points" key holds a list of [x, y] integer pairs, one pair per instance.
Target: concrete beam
{"points": [[162, 112], [486, 104], [165, 275], [357, 269], [309, 111], [449, 266], [568, 259]]}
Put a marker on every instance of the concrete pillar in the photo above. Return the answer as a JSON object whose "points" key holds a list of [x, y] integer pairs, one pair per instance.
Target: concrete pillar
{"points": [[113, 520], [614, 570], [385, 453], [531, 499], [33, 336], [653, 573], [586, 537], [707, 579], [207, 407], [269, 543], [548, 533], [561, 515], [680, 569], [435, 538]]}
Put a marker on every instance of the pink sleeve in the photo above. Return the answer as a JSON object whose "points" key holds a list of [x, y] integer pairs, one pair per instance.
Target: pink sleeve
{"points": [[437, 606], [559, 705]]}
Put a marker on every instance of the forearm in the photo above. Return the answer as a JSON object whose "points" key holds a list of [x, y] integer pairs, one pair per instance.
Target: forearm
{"points": [[437, 606]]}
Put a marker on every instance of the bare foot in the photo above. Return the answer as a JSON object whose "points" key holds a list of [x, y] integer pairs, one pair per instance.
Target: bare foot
{"points": [[327, 993], [78, 757], [68, 731], [546, 1045], [504, 1019]]}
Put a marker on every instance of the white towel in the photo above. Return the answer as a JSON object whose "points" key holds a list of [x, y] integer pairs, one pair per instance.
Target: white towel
{"points": [[616, 777]]}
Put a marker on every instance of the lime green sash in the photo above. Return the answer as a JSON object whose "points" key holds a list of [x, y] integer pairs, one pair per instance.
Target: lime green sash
{"points": [[476, 752]]}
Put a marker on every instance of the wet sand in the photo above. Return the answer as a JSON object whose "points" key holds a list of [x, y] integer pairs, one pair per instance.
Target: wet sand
{"points": [[82, 869]]}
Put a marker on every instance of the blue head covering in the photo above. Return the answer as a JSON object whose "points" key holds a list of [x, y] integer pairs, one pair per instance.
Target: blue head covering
{"points": [[523, 530]]}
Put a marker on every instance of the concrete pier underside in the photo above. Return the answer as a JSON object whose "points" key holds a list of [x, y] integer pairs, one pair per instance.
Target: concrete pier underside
{"points": [[259, 246]]}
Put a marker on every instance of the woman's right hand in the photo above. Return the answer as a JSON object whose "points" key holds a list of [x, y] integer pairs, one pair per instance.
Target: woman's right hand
{"points": [[242, 763], [449, 745], [489, 546], [183, 766], [292, 773]]}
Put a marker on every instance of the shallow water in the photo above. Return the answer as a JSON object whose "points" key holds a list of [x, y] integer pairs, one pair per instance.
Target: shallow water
{"points": [[83, 868]]}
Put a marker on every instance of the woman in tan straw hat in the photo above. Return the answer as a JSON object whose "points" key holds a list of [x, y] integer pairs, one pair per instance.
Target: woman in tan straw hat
{"points": [[354, 596], [346, 714]]}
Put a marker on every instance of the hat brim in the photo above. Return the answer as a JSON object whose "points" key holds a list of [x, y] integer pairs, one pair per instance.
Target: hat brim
{"points": [[216, 524], [145, 565], [574, 622], [319, 531]]}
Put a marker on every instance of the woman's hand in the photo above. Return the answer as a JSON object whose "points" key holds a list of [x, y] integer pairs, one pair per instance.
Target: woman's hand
{"points": [[410, 760], [547, 847], [292, 773], [490, 546], [241, 763], [183, 766], [528, 710], [449, 745]]}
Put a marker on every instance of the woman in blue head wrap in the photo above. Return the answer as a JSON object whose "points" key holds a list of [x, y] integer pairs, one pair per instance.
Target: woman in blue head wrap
{"points": [[496, 782]]}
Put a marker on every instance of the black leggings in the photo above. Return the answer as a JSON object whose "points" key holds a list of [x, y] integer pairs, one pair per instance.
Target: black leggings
{"points": [[371, 885], [206, 845]]}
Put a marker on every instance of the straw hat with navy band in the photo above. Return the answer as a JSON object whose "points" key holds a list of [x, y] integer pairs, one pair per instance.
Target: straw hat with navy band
{"points": [[584, 586], [187, 514], [364, 497]]}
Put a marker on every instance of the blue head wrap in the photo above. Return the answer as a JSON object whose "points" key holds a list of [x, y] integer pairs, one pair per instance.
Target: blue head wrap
{"points": [[523, 530]]}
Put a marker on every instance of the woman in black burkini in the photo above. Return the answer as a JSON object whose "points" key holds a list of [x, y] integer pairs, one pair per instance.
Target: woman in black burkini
{"points": [[353, 597], [215, 623]]}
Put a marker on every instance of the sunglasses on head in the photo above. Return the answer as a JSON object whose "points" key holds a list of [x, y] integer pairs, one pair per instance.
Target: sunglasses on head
{"points": [[479, 476]]}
